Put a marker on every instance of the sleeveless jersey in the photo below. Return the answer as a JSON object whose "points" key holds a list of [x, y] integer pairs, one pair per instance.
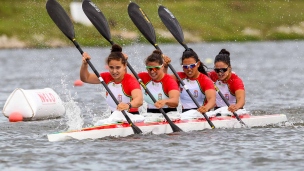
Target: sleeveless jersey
{"points": [[159, 89], [197, 87], [227, 88], [122, 91]]}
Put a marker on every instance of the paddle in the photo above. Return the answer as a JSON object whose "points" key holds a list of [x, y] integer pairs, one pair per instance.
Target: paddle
{"points": [[174, 27], [64, 23], [144, 25], [100, 22]]}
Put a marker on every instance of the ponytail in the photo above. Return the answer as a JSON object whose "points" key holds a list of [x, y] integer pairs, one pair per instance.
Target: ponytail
{"points": [[223, 56], [116, 55], [156, 56]]}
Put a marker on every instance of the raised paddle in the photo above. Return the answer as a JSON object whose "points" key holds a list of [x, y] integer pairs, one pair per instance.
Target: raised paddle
{"points": [[64, 23], [144, 25], [174, 27], [101, 24]]}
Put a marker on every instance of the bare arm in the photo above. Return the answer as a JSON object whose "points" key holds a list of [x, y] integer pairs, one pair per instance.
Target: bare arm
{"points": [[210, 96], [85, 75], [171, 102], [240, 101], [167, 61], [137, 100]]}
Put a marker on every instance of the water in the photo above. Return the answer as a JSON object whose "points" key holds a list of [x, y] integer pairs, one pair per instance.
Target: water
{"points": [[272, 73]]}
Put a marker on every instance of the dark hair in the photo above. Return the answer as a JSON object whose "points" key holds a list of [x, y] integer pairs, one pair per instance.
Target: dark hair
{"points": [[223, 56], [189, 53], [116, 55], [156, 56]]}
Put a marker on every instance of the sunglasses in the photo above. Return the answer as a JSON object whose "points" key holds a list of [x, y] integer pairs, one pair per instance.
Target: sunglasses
{"points": [[153, 68], [218, 70], [189, 66]]}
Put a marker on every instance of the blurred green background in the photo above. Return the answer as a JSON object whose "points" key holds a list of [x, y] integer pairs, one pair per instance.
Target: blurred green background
{"points": [[202, 21]]}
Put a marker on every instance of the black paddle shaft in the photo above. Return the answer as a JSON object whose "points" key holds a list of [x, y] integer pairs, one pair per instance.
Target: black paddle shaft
{"points": [[190, 94], [174, 27], [227, 103], [101, 24], [64, 23], [144, 25]]}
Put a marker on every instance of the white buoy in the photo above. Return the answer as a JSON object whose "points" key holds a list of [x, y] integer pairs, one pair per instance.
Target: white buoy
{"points": [[34, 104], [78, 15]]}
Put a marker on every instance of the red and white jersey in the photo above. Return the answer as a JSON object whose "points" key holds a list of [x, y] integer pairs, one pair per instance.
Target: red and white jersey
{"points": [[159, 89], [122, 90], [227, 88], [197, 87]]}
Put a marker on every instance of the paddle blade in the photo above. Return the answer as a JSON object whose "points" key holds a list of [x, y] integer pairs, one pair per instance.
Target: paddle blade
{"points": [[60, 18], [142, 22], [171, 23], [136, 130], [97, 18]]}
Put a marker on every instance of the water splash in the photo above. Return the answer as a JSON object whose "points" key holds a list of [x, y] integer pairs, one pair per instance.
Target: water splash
{"points": [[106, 113], [73, 117]]}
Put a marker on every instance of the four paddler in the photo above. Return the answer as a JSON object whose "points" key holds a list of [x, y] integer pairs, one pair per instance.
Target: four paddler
{"points": [[164, 88]]}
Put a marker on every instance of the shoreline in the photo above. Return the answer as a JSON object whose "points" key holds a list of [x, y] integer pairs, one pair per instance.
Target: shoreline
{"points": [[295, 32], [26, 24]]}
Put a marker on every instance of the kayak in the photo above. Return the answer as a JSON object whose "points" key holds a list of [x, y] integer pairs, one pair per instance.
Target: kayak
{"points": [[123, 129]]}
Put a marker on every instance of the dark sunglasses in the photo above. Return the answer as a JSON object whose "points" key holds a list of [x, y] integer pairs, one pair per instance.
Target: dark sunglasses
{"points": [[218, 70], [189, 66], [153, 68]]}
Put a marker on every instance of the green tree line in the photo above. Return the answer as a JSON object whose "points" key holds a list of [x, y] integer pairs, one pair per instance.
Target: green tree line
{"points": [[201, 20]]}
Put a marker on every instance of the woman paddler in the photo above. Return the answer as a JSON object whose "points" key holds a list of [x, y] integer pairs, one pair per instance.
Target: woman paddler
{"points": [[196, 79], [230, 85], [125, 88], [164, 89]]}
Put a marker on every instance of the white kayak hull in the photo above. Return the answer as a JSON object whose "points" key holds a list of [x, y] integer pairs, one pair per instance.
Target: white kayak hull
{"points": [[123, 130]]}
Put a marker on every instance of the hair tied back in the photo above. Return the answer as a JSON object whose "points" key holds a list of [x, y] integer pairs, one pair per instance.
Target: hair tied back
{"points": [[116, 48], [225, 52]]}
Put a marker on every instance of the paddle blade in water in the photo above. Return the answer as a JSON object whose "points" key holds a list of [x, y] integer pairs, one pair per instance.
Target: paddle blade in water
{"points": [[142, 22], [171, 23], [60, 18], [97, 18]]}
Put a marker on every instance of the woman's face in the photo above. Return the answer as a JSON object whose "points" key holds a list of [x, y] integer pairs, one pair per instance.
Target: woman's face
{"points": [[155, 70], [222, 70], [190, 67], [117, 70]]}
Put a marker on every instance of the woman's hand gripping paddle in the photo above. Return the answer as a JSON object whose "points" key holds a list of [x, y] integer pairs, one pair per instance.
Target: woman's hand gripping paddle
{"points": [[144, 25], [64, 23], [101, 24], [174, 27]]}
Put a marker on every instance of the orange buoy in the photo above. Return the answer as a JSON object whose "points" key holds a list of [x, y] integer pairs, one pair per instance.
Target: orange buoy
{"points": [[78, 83], [15, 117]]}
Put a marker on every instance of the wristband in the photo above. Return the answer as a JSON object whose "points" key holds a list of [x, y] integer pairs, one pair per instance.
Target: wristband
{"points": [[130, 106]]}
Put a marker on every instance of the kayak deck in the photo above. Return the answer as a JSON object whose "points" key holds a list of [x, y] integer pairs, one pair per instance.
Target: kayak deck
{"points": [[124, 129]]}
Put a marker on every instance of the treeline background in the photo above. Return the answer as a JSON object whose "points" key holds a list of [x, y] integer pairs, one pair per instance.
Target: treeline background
{"points": [[202, 21]]}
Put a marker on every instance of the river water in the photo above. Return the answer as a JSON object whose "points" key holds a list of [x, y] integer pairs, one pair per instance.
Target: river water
{"points": [[272, 73]]}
